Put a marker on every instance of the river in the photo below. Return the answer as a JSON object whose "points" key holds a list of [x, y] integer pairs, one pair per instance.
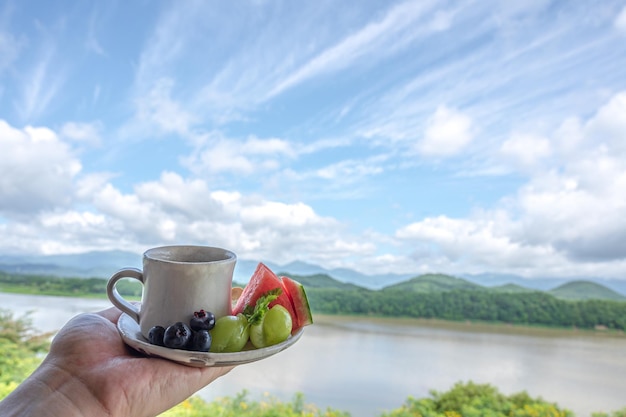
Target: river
{"points": [[366, 366]]}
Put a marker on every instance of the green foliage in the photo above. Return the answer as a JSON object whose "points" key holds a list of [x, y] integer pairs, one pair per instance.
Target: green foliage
{"points": [[50, 285], [534, 308], [618, 413], [21, 350], [241, 405], [510, 288], [477, 400], [428, 283], [585, 290]]}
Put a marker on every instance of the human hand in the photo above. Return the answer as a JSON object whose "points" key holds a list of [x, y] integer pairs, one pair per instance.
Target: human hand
{"points": [[91, 372]]}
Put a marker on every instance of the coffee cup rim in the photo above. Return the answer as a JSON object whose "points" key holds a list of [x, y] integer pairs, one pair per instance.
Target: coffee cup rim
{"points": [[227, 255]]}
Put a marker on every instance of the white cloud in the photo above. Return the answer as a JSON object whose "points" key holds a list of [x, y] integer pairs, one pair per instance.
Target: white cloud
{"points": [[468, 242], [174, 209], [63, 232], [447, 133], [216, 154], [620, 20], [582, 219], [608, 127], [525, 150], [172, 194], [159, 109], [87, 133], [350, 170], [37, 170], [569, 220]]}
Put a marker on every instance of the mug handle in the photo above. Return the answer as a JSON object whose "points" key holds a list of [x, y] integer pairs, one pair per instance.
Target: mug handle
{"points": [[116, 298]]}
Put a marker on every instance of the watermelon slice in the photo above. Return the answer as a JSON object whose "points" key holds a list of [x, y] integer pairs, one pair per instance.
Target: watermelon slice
{"points": [[299, 300], [264, 280]]}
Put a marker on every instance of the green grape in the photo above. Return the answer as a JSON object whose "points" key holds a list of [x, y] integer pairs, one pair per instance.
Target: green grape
{"points": [[230, 334], [274, 328]]}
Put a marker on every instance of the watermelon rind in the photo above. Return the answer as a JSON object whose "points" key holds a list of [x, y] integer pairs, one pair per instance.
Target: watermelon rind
{"points": [[299, 300]]}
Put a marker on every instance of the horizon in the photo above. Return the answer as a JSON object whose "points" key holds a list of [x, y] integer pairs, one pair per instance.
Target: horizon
{"points": [[245, 267], [402, 137]]}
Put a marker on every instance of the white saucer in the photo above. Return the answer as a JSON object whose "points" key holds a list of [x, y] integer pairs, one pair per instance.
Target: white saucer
{"points": [[131, 334]]}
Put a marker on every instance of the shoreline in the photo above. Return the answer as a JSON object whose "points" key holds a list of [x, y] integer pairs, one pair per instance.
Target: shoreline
{"points": [[354, 321]]}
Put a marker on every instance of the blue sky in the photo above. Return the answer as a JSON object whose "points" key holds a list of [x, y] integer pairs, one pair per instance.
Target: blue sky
{"points": [[383, 136]]}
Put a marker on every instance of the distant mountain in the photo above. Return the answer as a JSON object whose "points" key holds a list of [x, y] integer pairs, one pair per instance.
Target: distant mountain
{"points": [[433, 283], [510, 288], [344, 275], [585, 290], [494, 280], [98, 264], [323, 281], [543, 284], [245, 268]]}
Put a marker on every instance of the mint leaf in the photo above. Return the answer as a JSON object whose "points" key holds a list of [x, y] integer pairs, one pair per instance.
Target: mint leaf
{"points": [[255, 314]]}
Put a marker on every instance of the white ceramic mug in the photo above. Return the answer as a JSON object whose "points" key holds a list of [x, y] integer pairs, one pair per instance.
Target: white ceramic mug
{"points": [[177, 281]]}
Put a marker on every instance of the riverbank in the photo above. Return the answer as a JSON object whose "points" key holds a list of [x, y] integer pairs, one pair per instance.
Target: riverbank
{"points": [[354, 322], [25, 290]]}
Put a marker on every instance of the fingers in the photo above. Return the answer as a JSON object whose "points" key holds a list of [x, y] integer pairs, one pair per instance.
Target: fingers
{"points": [[205, 376], [112, 314]]}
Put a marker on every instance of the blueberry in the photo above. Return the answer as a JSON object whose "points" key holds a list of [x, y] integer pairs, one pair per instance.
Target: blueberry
{"points": [[202, 320], [177, 336], [200, 341], [155, 335]]}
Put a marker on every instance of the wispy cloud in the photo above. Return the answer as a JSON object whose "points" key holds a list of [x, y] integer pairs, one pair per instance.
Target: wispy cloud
{"points": [[376, 40], [216, 154], [9, 49], [620, 20], [91, 40], [83, 133], [41, 83], [39, 87]]}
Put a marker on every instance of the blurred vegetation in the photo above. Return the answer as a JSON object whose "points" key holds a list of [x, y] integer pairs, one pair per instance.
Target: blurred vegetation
{"points": [[477, 400], [21, 350], [241, 405]]}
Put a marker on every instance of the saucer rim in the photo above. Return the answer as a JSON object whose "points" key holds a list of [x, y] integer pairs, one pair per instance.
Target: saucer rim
{"points": [[131, 335]]}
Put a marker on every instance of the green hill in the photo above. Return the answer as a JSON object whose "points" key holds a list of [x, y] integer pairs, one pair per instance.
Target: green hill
{"points": [[510, 288], [433, 283], [321, 281], [585, 290]]}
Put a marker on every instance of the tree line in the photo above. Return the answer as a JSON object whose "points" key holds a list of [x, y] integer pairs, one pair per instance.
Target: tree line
{"points": [[52, 285], [534, 308]]}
